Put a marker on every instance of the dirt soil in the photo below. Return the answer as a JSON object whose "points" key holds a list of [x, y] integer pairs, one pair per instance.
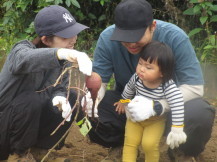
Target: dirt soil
{"points": [[79, 149]]}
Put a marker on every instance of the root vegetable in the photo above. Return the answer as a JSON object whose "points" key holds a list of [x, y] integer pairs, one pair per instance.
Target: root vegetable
{"points": [[93, 83]]}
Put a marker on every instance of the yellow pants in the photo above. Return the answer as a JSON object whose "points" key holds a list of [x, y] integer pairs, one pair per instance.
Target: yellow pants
{"points": [[148, 133]]}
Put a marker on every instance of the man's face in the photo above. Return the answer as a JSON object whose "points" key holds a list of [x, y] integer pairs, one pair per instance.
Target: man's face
{"points": [[135, 48]]}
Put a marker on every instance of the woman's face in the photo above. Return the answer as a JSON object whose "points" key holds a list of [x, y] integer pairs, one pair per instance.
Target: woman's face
{"points": [[58, 42]]}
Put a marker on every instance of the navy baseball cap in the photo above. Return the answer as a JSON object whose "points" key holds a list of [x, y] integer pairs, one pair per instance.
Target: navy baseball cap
{"points": [[132, 17], [58, 21]]}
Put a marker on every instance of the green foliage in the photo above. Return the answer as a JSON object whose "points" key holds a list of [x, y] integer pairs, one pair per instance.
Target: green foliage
{"points": [[204, 37], [209, 48], [13, 22], [17, 16], [111, 84]]}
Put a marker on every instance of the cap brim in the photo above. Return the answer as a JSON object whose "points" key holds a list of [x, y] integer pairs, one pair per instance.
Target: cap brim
{"points": [[71, 31], [130, 36]]}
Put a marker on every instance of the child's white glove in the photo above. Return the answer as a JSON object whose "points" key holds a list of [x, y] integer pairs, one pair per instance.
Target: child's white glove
{"points": [[84, 62], [176, 137], [128, 115], [141, 108], [63, 105], [89, 104]]}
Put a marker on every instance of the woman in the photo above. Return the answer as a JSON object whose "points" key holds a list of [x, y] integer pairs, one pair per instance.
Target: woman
{"points": [[29, 115]]}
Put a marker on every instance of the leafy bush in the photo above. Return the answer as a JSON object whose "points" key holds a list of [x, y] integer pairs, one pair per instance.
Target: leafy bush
{"points": [[17, 16], [16, 20], [203, 36]]}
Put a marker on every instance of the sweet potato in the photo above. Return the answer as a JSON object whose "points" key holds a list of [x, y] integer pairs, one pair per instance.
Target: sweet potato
{"points": [[93, 83]]}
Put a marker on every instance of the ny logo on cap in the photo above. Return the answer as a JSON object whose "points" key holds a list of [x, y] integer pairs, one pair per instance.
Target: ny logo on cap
{"points": [[67, 17]]}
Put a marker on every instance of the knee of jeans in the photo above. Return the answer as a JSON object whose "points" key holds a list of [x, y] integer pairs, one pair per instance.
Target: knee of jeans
{"points": [[131, 141], [149, 145], [28, 102]]}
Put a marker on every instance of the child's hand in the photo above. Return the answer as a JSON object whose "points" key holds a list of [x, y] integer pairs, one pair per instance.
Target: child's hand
{"points": [[176, 137], [119, 107], [140, 108]]}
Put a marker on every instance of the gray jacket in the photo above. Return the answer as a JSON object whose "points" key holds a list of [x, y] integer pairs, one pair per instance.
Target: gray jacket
{"points": [[28, 68]]}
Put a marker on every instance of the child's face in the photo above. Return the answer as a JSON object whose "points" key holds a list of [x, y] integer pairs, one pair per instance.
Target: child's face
{"points": [[149, 72], [59, 42]]}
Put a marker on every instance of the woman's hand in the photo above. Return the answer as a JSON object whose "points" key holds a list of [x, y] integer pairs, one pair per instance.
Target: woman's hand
{"points": [[83, 60]]}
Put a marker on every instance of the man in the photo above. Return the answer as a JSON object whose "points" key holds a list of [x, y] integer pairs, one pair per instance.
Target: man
{"points": [[116, 54]]}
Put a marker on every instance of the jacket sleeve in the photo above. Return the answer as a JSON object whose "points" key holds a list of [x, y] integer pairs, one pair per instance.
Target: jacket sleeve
{"points": [[25, 58], [129, 90], [176, 103], [189, 92]]}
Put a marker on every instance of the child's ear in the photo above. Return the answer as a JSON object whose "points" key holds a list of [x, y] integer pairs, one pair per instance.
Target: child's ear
{"points": [[161, 75]]}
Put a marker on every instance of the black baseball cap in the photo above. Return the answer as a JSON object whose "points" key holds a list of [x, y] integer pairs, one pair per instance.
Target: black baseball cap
{"points": [[58, 21], [132, 17]]}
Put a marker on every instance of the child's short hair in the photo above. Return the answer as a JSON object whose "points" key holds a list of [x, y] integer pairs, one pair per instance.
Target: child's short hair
{"points": [[163, 55]]}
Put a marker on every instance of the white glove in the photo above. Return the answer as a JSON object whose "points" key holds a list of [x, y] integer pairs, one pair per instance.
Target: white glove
{"points": [[89, 101], [176, 137], [84, 62], [128, 115], [89, 104], [63, 105], [141, 108]]}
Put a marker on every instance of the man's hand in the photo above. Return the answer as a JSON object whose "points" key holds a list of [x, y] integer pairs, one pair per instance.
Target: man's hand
{"points": [[84, 62], [176, 137], [89, 101], [140, 109], [89, 104], [63, 105]]}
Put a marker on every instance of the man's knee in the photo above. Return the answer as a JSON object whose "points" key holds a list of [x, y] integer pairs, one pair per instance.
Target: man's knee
{"points": [[199, 111], [199, 117]]}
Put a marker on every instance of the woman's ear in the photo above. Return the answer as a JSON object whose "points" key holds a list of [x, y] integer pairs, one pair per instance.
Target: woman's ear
{"points": [[45, 41]]}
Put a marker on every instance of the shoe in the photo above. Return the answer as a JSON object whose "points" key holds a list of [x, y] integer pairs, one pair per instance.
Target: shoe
{"points": [[38, 153], [114, 155], [176, 155], [27, 157]]}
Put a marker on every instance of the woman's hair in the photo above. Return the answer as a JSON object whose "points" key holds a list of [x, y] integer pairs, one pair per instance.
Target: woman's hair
{"points": [[39, 44], [163, 55]]}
